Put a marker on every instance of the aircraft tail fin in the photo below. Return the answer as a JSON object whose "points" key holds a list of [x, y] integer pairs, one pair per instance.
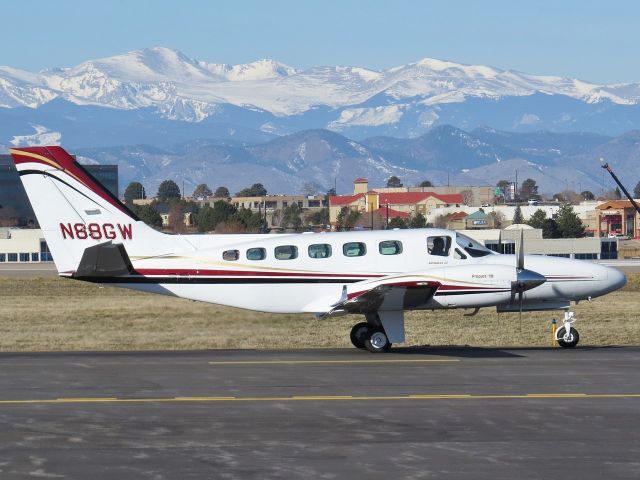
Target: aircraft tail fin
{"points": [[76, 212]]}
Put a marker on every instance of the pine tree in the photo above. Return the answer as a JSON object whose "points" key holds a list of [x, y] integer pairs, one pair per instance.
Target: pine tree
{"points": [[168, 190], [202, 191], [569, 224], [134, 191], [517, 216]]}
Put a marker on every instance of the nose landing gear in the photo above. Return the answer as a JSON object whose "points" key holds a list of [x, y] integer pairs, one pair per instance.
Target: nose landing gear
{"points": [[566, 335]]}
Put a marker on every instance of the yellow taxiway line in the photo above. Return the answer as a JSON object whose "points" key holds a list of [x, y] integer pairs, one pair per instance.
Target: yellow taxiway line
{"points": [[299, 398], [324, 362]]}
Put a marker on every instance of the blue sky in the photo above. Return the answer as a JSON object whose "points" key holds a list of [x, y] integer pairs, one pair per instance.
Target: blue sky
{"points": [[596, 41]]}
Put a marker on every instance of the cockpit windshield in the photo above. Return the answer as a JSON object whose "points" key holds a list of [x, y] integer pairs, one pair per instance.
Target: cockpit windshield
{"points": [[471, 246]]}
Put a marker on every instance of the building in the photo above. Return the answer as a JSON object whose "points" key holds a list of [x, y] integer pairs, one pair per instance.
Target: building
{"points": [[15, 209], [23, 245], [269, 204], [474, 196], [380, 218], [589, 248], [617, 217], [365, 201], [164, 210]]}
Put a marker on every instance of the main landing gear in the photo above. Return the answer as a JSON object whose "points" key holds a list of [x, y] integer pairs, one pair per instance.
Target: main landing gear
{"points": [[566, 335], [370, 335]]}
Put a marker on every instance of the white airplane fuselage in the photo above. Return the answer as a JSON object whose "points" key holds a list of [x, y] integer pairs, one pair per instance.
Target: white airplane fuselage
{"points": [[305, 284]]}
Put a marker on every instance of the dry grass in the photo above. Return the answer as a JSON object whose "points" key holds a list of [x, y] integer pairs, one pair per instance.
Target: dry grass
{"points": [[58, 314]]}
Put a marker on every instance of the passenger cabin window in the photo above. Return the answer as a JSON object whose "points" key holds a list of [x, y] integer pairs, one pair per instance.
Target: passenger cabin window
{"points": [[471, 246], [390, 247], [354, 249], [320, 250], [231, 255], [439, 246], [286, 252], [256, 254]]}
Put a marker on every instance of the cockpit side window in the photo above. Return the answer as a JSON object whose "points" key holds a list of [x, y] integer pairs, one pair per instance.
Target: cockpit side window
{"points": [[471, 246], [439, 246]]}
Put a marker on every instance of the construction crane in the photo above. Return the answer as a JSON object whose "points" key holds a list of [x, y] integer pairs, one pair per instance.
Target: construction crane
{"points": [[615, 177]]}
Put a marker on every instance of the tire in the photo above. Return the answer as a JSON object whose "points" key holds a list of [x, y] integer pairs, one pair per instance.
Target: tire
{"points": [[359, 334], [377, 342], [575, 338]]}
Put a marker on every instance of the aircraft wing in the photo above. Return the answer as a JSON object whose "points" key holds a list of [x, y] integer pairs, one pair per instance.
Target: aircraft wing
{"points": [[391, 293]]}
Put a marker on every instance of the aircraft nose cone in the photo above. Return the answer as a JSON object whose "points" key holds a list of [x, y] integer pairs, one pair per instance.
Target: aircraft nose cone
{"points": [[528, 279], [616, 279]]}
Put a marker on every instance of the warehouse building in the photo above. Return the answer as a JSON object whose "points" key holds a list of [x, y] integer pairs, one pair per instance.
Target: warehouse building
{"points": [[23, 245]]}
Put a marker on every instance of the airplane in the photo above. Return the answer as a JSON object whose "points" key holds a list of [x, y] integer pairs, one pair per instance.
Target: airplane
{"points": [[379, 274]]}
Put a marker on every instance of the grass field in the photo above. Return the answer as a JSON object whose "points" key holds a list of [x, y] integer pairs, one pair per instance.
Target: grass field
{"points": [[39, 314]]}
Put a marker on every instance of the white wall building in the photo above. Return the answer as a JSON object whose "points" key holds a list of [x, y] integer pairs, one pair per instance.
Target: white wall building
{"points": [[23, 245]]}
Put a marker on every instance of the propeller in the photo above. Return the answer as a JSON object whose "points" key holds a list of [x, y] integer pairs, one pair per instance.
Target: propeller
{"points": [[525, 279]]}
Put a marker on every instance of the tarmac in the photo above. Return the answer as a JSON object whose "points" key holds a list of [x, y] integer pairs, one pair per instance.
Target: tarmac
{"points": [[444, 413]]}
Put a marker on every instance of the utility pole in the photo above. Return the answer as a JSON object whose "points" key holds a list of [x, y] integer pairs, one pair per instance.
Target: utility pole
{"points": [[387, 226]]}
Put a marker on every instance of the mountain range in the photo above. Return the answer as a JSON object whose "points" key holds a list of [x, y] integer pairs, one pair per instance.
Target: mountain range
{"points": [[160, 114], [321, 159]]}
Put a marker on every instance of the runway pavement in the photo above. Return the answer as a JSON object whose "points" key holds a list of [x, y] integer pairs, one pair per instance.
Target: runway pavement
{"points": [[11, 270], [415, 413]]}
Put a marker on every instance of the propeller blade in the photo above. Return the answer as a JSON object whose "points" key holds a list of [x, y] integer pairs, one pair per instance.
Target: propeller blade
{"points": [[520, 265], [520, 295]]}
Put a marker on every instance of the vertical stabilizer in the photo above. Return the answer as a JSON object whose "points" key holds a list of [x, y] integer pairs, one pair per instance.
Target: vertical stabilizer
{"points": [[76, 212]]}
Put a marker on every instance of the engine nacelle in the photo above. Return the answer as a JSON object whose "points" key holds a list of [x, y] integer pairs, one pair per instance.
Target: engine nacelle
{"points": [[476, 285]]}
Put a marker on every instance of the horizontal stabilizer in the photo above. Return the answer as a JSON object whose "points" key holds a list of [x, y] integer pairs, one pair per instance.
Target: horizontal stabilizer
{"points": [[104, 260]]}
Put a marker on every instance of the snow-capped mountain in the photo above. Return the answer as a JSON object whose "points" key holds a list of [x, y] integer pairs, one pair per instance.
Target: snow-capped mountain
{"points": [[268, 95]]}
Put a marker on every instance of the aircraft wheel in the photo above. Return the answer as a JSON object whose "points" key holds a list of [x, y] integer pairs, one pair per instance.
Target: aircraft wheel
{"points": [[359, 334], [377, 342], [567, 341]]}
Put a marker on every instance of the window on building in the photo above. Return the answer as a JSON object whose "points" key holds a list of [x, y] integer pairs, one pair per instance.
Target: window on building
{"points": [[35, 257], [439, 246], [285, 204], [314, 203], [320, 250], [390, 247], [586, 256], [231, 255], [256, 254], [12, 257], [3, 257], [45, 254], [286, 252], [300, 204], [563, 255], [354, 249], [24, 257]]}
